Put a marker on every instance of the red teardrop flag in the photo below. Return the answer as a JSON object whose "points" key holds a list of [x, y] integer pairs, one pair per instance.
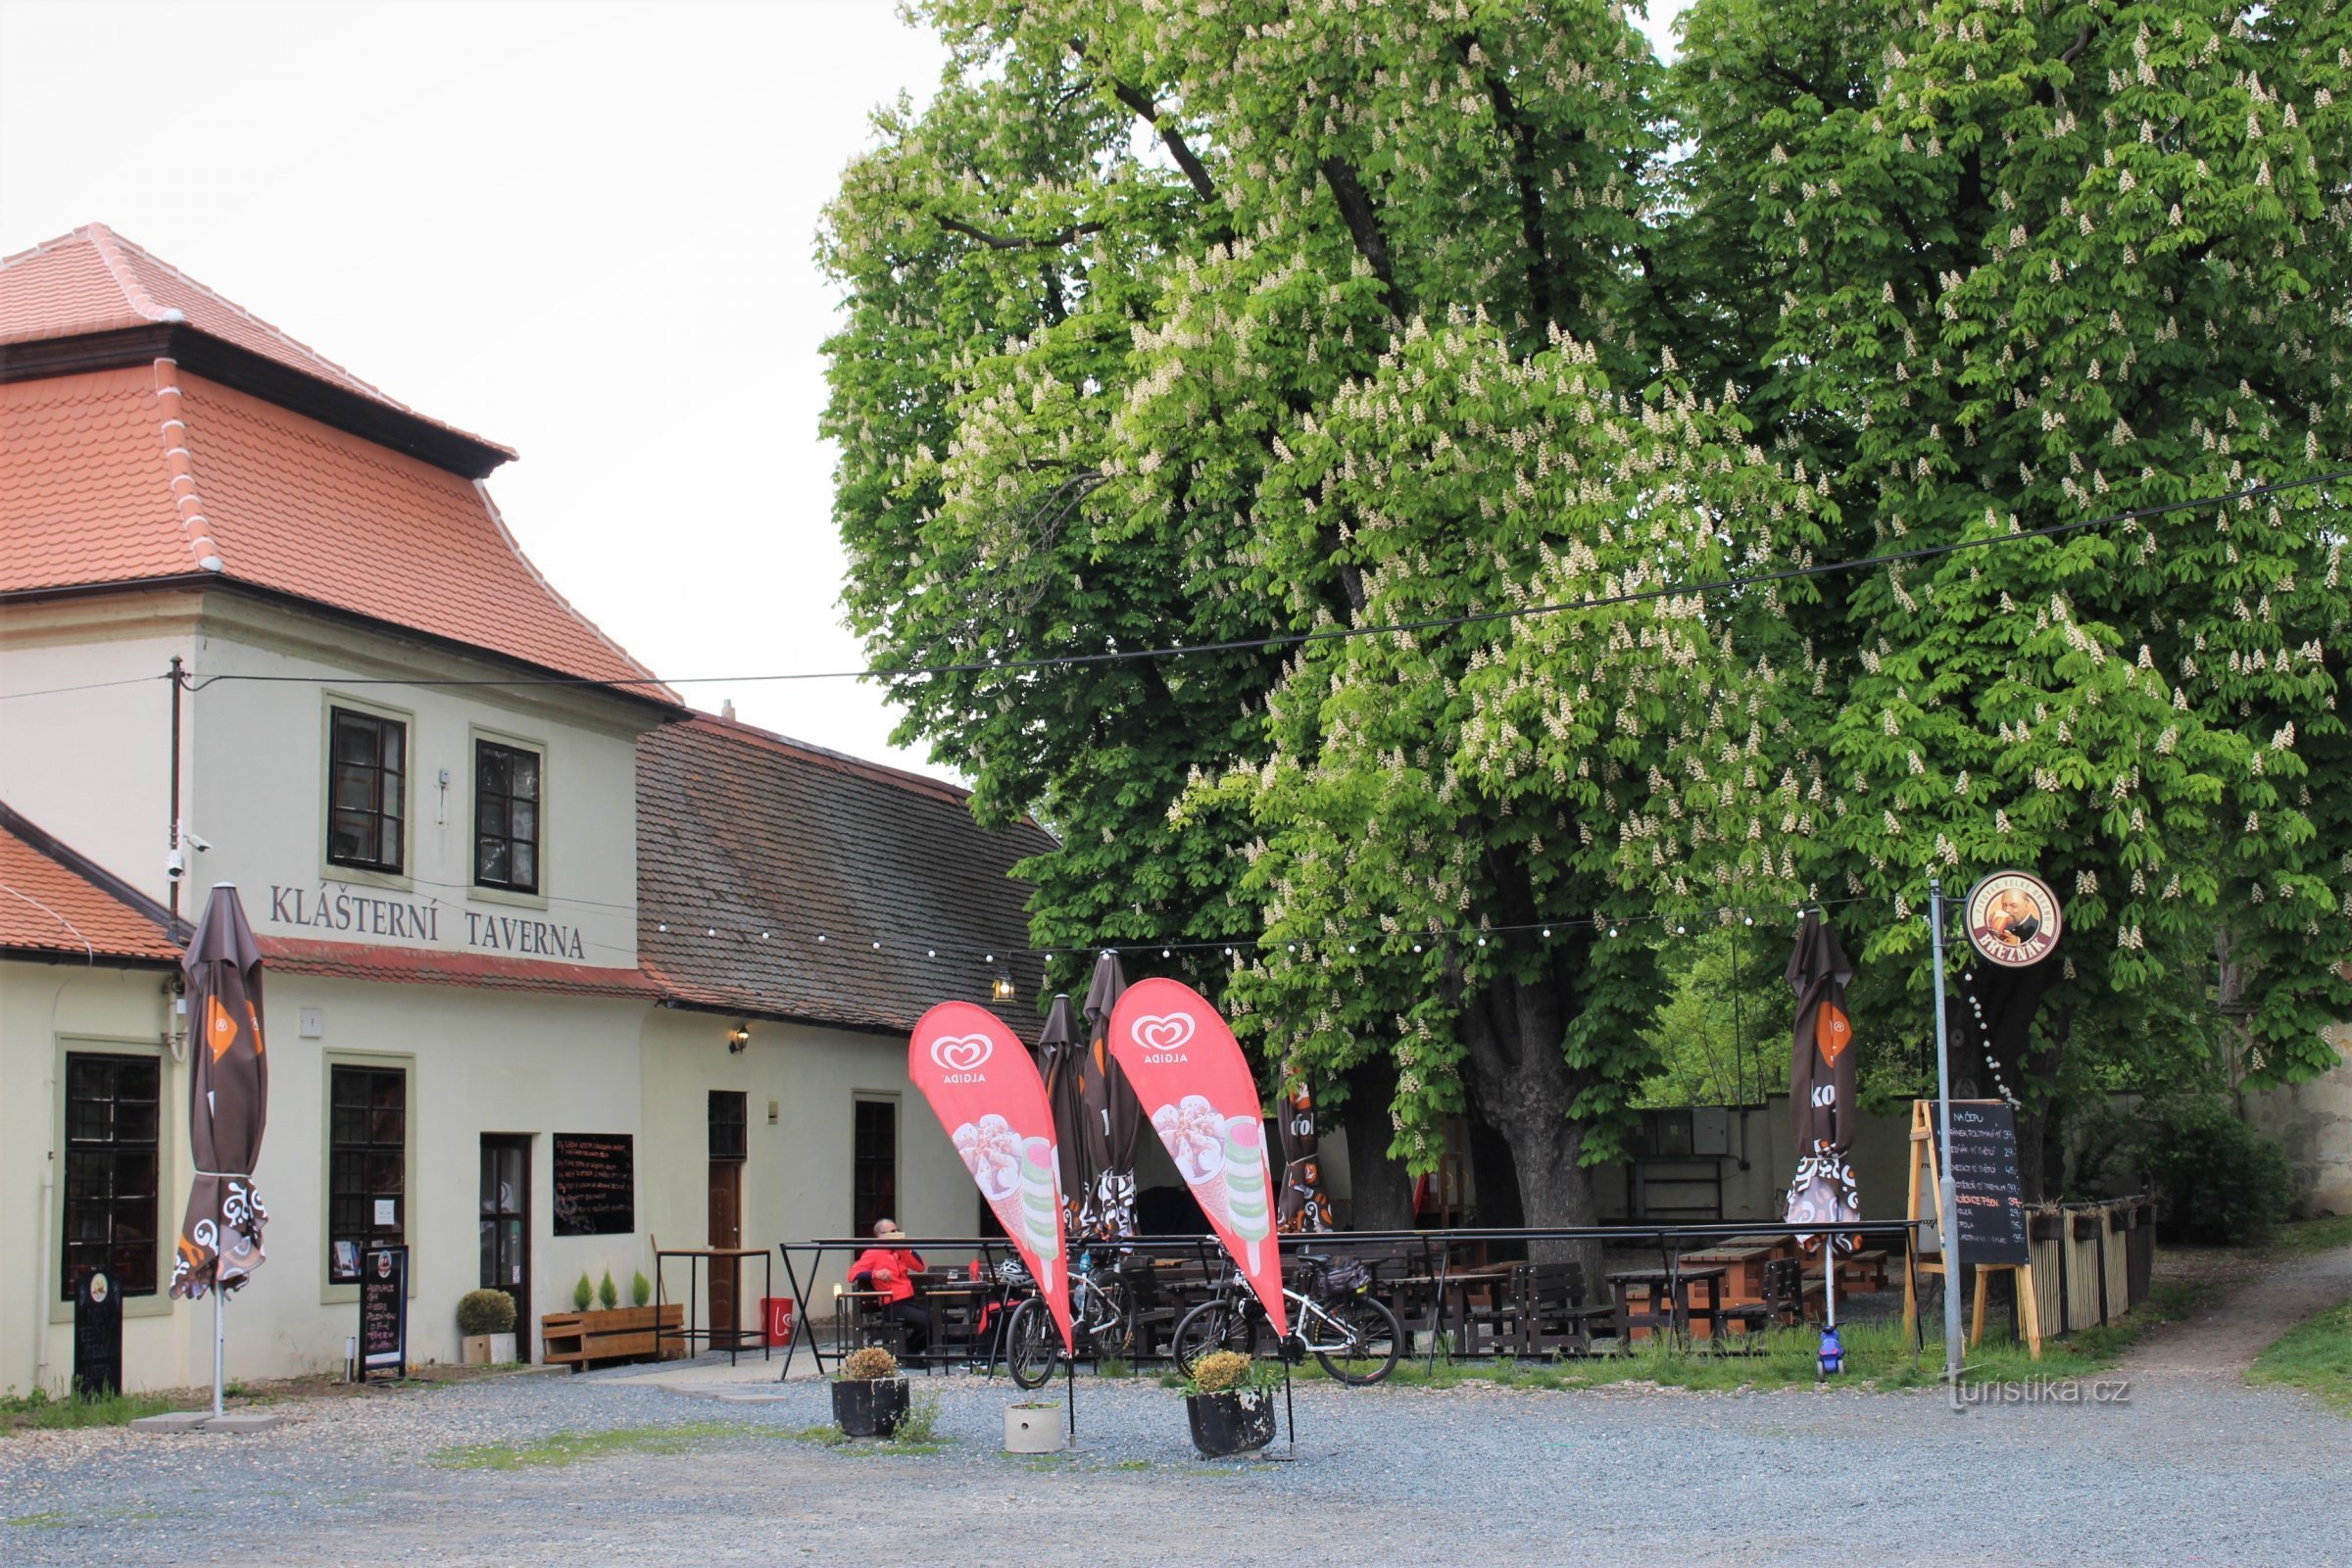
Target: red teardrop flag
{"points": [[1193, 1081], [986, 1093]]}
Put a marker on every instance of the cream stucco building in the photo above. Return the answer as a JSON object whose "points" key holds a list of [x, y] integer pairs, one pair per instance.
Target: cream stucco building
{"points": [[555, 967]]}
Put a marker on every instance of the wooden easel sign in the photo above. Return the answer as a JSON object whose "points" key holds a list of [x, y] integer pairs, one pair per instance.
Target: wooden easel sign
{"points": [[1989, 1193]]}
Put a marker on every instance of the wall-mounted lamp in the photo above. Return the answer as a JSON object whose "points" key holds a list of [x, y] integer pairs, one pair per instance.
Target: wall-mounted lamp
{"points": [[737, 1038], [1001, 988]]}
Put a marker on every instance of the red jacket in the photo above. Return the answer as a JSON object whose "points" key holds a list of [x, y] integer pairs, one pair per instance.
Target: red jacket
{"points": [[887, 1269]]}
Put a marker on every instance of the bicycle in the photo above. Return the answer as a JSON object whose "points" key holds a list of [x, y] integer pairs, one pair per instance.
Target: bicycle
{"points": [[1102, 1323], [1337, 1320]]}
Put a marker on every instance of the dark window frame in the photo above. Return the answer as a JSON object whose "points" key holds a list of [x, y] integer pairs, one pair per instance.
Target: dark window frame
{"points": [[495, 803], [130, 1257], [364, 1139], [730, 1121], [377, 781], [873, 1173]]}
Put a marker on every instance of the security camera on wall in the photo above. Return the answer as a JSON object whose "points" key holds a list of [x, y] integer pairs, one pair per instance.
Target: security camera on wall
{"points": [[175, 864]]}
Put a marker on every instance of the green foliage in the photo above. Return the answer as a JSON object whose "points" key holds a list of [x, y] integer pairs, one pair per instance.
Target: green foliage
{"points": [[1193, 324], [2007, 271], [641, 1289], [606, 1293], [561, 1448], [2220, 1181], [1722, 1034], [2315, 1354], [583, 1295], [1230, 1372], [485, 1312], [39, 1411]]}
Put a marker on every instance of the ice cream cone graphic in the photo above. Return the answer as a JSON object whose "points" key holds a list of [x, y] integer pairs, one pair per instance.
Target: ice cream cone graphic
{"points": [[1246, 1199], [1041, 1207]]}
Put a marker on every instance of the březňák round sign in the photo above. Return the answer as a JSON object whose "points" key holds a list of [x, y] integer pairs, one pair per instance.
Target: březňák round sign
{"points": [[2013, 918]]}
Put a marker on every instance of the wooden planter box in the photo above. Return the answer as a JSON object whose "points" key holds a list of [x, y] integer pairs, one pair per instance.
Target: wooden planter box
{"points": [[580, 1340]]}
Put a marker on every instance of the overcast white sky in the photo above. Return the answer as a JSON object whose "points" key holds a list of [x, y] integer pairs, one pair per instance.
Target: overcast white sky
{"points": [[585, 231]]}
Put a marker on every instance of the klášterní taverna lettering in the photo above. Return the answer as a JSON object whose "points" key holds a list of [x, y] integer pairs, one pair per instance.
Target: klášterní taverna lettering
{"points": [[327, 907]]}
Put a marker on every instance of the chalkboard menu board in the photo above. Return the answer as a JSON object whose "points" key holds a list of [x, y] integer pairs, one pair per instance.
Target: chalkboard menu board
{"points": [[97, 1334], [596, 1184], [1990, 1196], [385, 1311]]}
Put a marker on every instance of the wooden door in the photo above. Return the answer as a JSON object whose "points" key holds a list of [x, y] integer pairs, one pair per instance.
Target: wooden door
{"points": [[505, 1220], [726, 1230]]}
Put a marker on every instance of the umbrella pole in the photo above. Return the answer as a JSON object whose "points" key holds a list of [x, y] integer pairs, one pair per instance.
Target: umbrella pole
{"points": [[219, 1342]]}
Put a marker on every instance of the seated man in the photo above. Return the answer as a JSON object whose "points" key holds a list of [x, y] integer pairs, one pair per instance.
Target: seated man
{"points": [[891, 1272]]}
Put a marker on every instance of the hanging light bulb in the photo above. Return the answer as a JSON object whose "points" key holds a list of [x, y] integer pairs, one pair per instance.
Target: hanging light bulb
{"points": [[1547, 931]]}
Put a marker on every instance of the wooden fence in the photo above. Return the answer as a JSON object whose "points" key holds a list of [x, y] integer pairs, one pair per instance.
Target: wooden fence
{"points": [[2091, 1261]]}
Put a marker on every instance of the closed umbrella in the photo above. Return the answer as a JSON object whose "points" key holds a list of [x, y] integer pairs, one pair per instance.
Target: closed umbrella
{"points": [[1061, 1060], [228, 1107], [1821, 1099], [1304, 1208], [1113, 1117]]}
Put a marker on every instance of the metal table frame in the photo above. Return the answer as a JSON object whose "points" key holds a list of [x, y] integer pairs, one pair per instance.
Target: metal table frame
{"points": [[687, 1334]]}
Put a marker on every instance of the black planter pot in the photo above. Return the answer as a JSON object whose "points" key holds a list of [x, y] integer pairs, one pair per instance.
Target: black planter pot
{"points": [[869, 1407], [1236, 1421]]}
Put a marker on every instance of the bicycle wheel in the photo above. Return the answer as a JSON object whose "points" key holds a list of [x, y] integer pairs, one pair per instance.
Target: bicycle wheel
{"points": [[1215, 1324], [1032, 1344], [1372, 1345]]}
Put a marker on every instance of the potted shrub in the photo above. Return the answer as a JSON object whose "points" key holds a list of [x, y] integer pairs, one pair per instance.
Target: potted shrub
{"points": [[592, 1337], [641, 1289], [486, 1325], [1231, 1403], [869, 1396]]}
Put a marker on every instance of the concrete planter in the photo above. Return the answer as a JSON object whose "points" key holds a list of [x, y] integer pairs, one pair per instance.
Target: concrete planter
{"points": [[1034, 1427], [1236, 1421], [488, 1349], [869, 1407]]}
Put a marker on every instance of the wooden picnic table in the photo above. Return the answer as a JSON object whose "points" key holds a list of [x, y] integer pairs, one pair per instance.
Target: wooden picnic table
{"points": [[1743, 1263], [1664, 1301]]}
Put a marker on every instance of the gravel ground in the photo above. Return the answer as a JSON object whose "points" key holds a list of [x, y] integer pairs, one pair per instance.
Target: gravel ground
{"points": [[2195, 1468]]}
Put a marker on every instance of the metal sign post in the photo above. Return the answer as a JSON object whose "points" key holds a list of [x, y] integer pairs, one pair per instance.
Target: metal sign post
{"points": [[1947, 1209]]}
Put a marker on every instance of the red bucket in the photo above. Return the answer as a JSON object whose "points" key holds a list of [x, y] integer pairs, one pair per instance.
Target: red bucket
{"points": [[776, 1311]]}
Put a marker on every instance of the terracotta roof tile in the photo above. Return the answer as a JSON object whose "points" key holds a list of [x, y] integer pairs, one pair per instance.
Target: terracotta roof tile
{"points": [[739, 831], [54, 902], [94, 280], [91, 495], [430, 966]]}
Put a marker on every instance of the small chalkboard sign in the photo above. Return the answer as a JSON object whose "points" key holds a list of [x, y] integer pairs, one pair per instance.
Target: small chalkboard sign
{"points": [[385, 1311], [97, 1334], [596, 1184], [1987, 1188]]}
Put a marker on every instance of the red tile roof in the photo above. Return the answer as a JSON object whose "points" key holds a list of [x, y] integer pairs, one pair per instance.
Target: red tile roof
{"points": [[94, 280], [130, 476], [54, 903], [431, 966]]}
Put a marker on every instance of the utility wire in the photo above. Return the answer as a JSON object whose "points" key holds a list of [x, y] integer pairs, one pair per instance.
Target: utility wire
{"points": [[1344, 633]]}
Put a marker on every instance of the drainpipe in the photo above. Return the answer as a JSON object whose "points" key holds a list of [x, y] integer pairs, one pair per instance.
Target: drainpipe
{"points": [[41, 1277], [178, 682]]}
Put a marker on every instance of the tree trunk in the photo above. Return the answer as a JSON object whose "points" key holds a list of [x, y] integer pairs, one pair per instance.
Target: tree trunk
{"points": [[1520, 1084], [1495, 1178], [2007, 1000], [1380, 1189]]}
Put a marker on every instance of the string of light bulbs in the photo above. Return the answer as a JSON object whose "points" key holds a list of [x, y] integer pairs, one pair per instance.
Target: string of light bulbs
{"points": [[1177, 648]]}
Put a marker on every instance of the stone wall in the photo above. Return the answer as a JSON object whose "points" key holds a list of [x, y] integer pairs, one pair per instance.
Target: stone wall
{"points": [[2314, 1120]]}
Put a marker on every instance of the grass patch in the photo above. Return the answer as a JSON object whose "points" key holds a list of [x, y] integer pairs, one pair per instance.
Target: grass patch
{"points": [[832, 1436], [39, 1521], [570, 1448], [2305, 1237], [2315, 1356], [1132, 1464], [1113, 1366], [38, 1411]]}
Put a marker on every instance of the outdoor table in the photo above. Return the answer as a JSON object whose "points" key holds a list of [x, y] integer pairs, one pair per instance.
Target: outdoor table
{"points": [[1665, 1300], [1745, 1263], [695, 1258], [957, 1304]]}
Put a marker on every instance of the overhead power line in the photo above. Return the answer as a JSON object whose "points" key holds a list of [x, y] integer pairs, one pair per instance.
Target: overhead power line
{"points": [[1182, 649]]}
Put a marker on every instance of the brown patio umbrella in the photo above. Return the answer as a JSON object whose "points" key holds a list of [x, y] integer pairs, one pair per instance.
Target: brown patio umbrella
{"points": [[1304, 1208], [229, 1105], [1821, 1075], [1061, 1062], [1113, 1117]]}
